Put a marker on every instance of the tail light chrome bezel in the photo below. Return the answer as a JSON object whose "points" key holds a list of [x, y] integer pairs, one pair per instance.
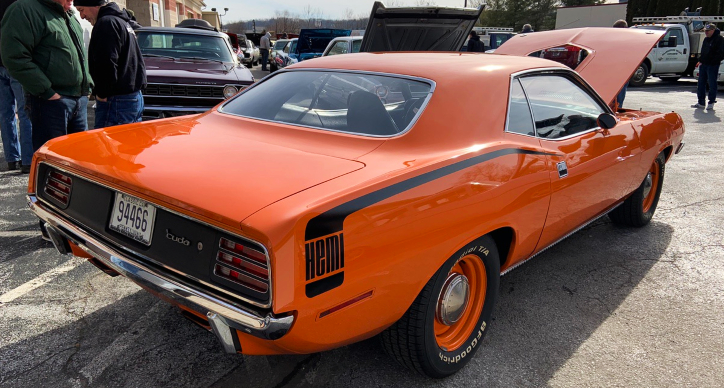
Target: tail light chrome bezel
{"points": [[58, 187], [242, 264]]}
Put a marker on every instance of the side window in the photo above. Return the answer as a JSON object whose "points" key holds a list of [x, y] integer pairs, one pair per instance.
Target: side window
{"points": [[560, 107], [356, 44], [519, 118], [338, 48], [679, 36]]}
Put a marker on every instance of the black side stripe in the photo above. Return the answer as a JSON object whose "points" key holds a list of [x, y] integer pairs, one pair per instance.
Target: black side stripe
{"points": [[331, 221]]}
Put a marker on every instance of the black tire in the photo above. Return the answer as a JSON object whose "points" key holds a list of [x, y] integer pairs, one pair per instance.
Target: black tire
{"points": [[636, 210], [412, 340], [640, 75], [670, 79], [248, 65], [272, 67]]}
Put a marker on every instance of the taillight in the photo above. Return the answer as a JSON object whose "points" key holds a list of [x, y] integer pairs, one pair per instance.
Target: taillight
{"points": [[242, 264], [58, 186]]}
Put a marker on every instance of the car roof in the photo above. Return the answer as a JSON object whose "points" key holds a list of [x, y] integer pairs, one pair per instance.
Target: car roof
{"points": [[181, 30], [348, 38], [432, 65]]}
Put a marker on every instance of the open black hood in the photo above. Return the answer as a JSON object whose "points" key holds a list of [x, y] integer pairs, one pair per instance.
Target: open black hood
{"points": [[418, 28]]}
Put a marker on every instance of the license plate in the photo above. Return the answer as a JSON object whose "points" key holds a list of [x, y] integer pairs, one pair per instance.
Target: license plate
{"points": [[133, 218]]}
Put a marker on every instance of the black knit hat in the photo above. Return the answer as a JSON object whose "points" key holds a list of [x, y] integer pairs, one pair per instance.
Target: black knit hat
{"points": [[89, 3]]}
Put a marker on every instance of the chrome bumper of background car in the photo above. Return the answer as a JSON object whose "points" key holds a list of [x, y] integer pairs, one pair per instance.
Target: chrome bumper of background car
{"points": [[152, 112], [223, 316]]}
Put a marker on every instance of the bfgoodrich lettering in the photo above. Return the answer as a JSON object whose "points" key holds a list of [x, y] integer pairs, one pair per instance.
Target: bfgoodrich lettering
{"points": [[324, 255]]}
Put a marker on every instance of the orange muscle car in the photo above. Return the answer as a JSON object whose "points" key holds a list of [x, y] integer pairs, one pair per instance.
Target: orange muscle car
{"points": [[365, 194]]}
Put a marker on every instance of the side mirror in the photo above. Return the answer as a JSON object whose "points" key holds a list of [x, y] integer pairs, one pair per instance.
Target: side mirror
{"points": [[606, 121], [672, 41]]}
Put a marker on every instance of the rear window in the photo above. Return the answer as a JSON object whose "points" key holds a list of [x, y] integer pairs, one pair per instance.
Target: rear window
{"points": [[363, 104]]}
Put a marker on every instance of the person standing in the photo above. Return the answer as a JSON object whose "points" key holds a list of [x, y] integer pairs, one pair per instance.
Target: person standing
{"points": [[116, 63], [264, 47], [712, 53], [18, 146], [620, 23], [41, 43], [474, 43]]}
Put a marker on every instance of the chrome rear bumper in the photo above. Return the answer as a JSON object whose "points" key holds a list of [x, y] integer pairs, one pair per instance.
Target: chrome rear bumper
{"points": [[222, 314]]}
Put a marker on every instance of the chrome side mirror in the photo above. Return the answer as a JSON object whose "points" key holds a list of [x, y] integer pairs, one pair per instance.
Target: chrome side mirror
{"points": [[606, 120]]}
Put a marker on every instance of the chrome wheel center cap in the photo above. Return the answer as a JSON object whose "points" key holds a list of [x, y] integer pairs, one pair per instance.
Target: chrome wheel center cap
{"points": [[648, 183], [453, 299]]}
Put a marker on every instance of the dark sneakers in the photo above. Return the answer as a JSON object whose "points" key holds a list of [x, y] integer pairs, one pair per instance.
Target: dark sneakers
{"points": [[25, 169], [14, 166]]}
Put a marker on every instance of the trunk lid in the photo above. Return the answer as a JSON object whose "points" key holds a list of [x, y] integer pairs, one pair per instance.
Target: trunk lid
{"points": [[215, 170], [418, 28], [613, 54]]}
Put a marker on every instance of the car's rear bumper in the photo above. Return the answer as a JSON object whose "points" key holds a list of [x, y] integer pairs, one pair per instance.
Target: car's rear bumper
{"points": [[224, 316]]}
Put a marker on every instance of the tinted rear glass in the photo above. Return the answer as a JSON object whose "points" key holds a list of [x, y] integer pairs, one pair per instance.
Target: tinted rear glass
{"points": [[362, 104]]}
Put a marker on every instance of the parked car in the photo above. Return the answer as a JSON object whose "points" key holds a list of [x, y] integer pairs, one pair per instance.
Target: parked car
{"points": [[250, 53], [279, 55], [189, 70], [340, 199], [312, 42], [720, 75], [343, 45]]}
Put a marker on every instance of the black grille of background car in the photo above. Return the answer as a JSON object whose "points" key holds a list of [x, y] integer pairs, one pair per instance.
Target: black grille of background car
{"points": [[170, 90], [90, 207]]}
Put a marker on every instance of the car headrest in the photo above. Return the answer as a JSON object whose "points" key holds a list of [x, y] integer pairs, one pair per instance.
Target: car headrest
{"points": [[366, 114]]}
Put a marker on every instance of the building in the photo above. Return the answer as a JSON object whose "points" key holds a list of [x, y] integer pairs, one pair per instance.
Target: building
{"points": [[602, 15], [163, 13]]}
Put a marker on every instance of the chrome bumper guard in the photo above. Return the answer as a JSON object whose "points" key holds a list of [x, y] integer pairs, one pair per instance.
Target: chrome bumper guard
{"points": [[222, 315]]}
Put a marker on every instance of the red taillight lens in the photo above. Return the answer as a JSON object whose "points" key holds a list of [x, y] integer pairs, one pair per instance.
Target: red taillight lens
{"points": [[242, 264], [243, 250], [240, 277], [58, 185]]}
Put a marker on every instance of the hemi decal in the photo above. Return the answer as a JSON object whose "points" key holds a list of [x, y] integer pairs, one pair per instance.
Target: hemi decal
{"points": [[324, 240]]}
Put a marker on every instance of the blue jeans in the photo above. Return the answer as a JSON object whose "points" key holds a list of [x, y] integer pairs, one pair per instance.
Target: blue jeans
{"points": [[57, 117], [117, 110], [12, 101], [264, 58], [707, 74], [621, 95]]}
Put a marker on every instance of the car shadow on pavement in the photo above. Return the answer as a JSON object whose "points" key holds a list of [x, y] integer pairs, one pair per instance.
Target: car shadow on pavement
{"points": [[546, 310]]}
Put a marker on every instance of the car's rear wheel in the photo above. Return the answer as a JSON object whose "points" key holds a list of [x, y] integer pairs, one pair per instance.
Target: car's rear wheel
{"points": [[640, 75], [445, 325], [639, 208]]}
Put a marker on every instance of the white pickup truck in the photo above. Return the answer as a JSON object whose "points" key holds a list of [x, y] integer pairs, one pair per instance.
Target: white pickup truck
{"points": [[678, 51]]}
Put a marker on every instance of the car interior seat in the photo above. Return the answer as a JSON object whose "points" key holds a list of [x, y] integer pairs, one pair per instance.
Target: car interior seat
{"points": [[366, 114]]}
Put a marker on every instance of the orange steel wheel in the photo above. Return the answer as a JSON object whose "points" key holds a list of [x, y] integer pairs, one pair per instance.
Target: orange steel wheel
{"points": [[454, 325], [650, 184]]}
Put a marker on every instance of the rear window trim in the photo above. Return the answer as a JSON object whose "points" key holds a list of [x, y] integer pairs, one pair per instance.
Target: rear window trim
{"points": [[412, 123]]}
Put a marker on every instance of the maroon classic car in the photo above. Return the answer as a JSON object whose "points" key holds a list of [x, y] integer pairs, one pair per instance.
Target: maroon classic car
{"points": [[189, 70]]}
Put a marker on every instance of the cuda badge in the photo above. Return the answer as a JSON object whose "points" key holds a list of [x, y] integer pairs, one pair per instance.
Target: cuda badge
{"points": [[178, 239], [562, 169]]}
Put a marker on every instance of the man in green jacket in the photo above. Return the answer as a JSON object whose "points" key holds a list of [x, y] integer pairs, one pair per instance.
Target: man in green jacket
{"points": [[41, 43]]}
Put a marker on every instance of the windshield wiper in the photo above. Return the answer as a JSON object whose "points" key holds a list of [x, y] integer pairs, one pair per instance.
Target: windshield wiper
{"points": [[203, 59], [159, 56]]}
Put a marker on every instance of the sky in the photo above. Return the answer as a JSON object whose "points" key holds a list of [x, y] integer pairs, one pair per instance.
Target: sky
{"points": [[331, 9]]}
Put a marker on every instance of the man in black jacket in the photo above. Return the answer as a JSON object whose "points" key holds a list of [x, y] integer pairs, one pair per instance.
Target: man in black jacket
{"points": [[115, 63], [475, 45], [712, 53]]}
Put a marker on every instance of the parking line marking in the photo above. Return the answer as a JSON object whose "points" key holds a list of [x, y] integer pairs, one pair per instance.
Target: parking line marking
{"points": [[20, 233], [40, 280]]}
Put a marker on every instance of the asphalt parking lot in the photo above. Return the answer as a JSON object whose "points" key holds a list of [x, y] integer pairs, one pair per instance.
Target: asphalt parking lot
{"points": [[608, 307]]}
